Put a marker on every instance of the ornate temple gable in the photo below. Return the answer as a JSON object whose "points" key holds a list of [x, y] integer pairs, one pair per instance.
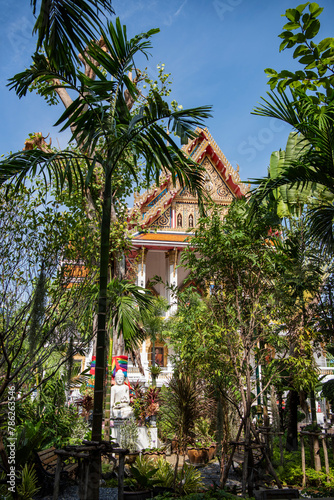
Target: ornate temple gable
{"points": [[169, 207], [204, 145]]}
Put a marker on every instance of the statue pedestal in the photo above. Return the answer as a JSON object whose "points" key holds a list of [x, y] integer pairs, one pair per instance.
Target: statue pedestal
{"points": [[147, 436]]}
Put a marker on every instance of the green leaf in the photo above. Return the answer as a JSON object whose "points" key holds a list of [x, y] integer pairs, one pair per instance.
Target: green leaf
{"points": [[291, 26], [292, 14], [300, 38], [313, 29], [270, 72], [315, 9], [325, 43], [301, 50], [301, 7], [286, 34], [306, 60]]}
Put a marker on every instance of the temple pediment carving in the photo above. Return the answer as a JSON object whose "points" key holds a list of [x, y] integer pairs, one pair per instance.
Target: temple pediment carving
{"points": [[171, 207]]}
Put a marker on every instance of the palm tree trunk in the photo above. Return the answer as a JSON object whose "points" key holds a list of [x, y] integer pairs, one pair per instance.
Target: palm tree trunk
{"points": [[102, 311], [95, 463], [108, 388]]}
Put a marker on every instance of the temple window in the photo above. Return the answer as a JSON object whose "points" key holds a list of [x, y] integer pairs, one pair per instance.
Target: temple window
{"points": [[191, 221], [179, 220]]}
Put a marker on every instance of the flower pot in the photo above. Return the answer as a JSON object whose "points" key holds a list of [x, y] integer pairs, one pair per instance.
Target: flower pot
{"points": [[175, 445], [137, 495], [198, 456], [212, 451], [154, 455]]}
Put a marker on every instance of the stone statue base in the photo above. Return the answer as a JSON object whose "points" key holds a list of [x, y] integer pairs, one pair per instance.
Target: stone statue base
{"points": [[147, 436]]}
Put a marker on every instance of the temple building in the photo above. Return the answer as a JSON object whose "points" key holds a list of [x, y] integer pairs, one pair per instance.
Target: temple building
{"points": [[167, 215]]}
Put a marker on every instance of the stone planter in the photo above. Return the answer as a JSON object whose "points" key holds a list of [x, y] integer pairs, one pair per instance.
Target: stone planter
{"points": [[198, 456]]}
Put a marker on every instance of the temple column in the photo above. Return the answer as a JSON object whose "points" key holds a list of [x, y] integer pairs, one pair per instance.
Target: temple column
{"points": [[172, 258], [141, 276]]}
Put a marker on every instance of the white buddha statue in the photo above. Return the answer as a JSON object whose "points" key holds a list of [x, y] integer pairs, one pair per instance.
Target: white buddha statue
{"points": [[120, 398]]}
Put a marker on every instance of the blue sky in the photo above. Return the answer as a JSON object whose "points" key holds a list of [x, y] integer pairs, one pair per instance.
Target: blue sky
{"points": [[216, 50]]}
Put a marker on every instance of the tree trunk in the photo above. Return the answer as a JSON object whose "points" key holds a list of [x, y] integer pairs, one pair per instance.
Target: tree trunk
{"points": [[292, 435], [274, 410], [245, 468], [101, 336], [313, 408]]}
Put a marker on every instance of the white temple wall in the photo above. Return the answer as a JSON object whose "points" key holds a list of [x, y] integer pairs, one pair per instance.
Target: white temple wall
{"points": [[155, 265]]}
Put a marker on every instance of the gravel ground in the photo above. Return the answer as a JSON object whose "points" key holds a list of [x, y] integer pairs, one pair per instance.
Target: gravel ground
{"points": [[71, 493]]}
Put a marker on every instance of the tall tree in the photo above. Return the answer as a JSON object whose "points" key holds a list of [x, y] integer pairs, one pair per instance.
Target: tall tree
{"points": [[108, 135], [235, 261]]}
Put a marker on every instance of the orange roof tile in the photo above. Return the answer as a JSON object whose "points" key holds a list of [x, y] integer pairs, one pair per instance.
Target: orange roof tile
{"points": [[162, 237]]}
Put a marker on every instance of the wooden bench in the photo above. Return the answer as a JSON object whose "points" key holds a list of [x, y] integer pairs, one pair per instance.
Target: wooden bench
{"points": [[46, 464], [48, 461]]}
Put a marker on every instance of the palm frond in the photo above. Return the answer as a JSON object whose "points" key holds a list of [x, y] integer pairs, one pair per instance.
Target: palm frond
{"points": [[65, 27], [128, 302], [321, 221], [59, 166]]}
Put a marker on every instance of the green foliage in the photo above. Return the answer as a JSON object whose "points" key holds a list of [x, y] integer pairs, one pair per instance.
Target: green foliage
{"points": [[213, 493], [165, 473], [129, 435], [291, 473], [328, 391], [311, 170], [107, 136], [189, 479], [64, 29], [147, 473], [38, 310], [307, 171], [182, 403], [47, 422], [143, 472], [29, 484], [203, 432], [317, 58]]}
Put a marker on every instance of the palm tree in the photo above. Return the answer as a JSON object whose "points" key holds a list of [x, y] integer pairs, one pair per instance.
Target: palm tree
{"points": [[108, 136], [312, 169]]}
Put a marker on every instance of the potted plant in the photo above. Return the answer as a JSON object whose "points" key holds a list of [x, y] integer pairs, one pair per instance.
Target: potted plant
{"points": [[142, 480], [205, 447], [164, 476], [146, 405], [129, 439], [198, 454], [153, 453]]}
